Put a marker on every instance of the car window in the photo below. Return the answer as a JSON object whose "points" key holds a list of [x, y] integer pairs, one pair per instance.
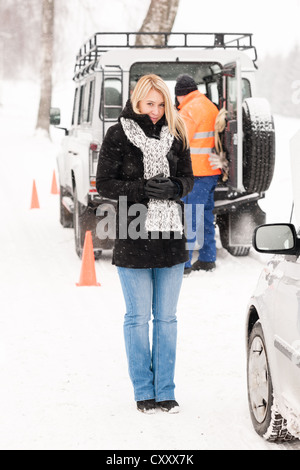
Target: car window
{"points": [[232, 96], [232, 93], [81, 104], [91, 92], [111, 100], [246, 89], [213, 92], [75, 106], [206, 75]]}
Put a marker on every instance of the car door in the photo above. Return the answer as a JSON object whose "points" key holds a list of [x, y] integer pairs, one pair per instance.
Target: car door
{"points": [[287, 330], [232, 97]]}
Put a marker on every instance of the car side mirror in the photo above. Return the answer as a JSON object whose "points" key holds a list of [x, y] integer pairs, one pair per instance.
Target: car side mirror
{"points": [[55, 119], [280, 239], [55, 116]]}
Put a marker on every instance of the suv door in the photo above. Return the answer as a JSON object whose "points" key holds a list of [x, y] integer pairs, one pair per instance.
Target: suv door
{"points": [[232, 97]]}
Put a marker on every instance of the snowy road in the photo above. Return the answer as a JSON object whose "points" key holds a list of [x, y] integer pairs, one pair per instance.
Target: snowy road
{"points": [[64, 382]]}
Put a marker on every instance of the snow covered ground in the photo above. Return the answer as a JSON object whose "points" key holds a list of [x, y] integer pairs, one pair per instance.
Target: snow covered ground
{"points": [[64, 381]]}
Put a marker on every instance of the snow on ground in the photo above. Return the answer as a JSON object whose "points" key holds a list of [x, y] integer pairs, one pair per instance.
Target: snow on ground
{"points": [[64, 381]]}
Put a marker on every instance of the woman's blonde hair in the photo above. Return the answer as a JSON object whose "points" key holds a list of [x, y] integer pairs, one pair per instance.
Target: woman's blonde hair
{"points": [[175, 122]]}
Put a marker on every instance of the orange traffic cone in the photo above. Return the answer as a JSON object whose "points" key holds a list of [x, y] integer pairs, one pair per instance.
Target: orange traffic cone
{"points": [[34, 198], [54, 188], [88, 271]]}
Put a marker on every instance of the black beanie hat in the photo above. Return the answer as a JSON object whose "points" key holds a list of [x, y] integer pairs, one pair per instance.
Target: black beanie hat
{"points": [[185, 85]]}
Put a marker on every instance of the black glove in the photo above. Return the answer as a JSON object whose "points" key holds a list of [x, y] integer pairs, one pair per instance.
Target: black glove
{"points": [[159, 187]]}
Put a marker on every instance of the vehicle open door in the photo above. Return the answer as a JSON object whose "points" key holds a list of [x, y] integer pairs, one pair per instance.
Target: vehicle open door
{"points": [[232, 98]]}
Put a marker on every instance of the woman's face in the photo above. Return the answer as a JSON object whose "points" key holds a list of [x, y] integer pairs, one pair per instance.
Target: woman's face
{"points": [[153, 105]]}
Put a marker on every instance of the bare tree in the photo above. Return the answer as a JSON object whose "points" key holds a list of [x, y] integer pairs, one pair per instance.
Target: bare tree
{"points": [[160, 18], [19, 29], [47, 62]]}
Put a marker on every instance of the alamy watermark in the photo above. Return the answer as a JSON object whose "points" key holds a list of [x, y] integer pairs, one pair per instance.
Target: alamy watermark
{"points": [[131, 223]]}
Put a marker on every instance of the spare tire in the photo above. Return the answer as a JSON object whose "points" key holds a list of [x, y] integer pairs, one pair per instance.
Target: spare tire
{"points": [[258, 145]]}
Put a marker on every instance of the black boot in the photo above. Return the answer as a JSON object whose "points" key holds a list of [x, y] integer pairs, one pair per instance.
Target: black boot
{"points": [[203, 266], [187, 271], [146, 406], [170, 406]]}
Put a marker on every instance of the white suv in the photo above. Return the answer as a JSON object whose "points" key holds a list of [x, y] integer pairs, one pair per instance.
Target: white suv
{"points": [[224, 67], [273, 327]]}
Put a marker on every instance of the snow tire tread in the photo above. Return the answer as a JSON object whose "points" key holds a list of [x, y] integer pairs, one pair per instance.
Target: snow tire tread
{"points": [[259, 145]]}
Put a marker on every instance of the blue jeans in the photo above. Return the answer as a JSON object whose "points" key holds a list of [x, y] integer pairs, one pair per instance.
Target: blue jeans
{"points": [[200, 223], [153, 290]]}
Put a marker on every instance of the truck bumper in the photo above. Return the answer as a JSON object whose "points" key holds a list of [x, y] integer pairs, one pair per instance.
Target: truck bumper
{"points": [[232, 202]]}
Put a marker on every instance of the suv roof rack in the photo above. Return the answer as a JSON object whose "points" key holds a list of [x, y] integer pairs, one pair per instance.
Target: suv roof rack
{"points": [[100, 43]]}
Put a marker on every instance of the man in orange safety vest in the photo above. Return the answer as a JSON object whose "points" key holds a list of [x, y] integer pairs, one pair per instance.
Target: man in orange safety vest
{"points": [[200, 114]]}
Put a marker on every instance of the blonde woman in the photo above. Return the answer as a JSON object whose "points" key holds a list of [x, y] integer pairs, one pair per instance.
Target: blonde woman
{"points": [[145, 164]]}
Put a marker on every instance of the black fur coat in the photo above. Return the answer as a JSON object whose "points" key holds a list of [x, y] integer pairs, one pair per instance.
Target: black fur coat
{"points": [[121, 173]]}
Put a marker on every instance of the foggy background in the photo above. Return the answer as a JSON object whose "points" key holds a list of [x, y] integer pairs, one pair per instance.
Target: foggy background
{"points": [[275, 26]]}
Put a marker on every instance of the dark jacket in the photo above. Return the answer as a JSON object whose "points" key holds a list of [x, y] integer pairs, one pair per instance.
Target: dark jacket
{"points": [[121, 173]]}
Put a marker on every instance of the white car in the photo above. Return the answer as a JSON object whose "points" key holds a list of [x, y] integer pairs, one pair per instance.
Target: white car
{"points": [[273, 328]]}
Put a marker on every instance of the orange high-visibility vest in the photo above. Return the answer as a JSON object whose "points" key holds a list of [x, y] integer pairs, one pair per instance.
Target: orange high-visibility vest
{"points": [[200, 114]]}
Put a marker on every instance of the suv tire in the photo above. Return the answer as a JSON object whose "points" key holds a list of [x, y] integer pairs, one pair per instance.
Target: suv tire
{"points": [[267, 421], [223, 221], [258, 146], [235, 225], [239, 250]]}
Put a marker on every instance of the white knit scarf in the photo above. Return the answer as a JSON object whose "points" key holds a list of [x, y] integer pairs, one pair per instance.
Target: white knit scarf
{"points": [[162, 215]]}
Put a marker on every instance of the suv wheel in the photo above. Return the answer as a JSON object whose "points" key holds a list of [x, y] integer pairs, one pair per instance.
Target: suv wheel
{"points": [[224, 222], [267, 421], [259, 145], [239, 250], [236, 227], [78, 228]]}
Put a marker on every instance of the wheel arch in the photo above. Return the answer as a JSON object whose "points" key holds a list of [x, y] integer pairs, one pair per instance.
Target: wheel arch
{"points": [[78, 181], [73, 181], [274, 427], [252, 318]]}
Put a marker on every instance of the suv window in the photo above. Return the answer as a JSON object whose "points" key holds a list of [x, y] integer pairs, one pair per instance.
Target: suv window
{"points": [[213, 92], [91, 101], [232, 94], [246, 89], [74, 106], [81, 104], [111, 101], [205, 74]]}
